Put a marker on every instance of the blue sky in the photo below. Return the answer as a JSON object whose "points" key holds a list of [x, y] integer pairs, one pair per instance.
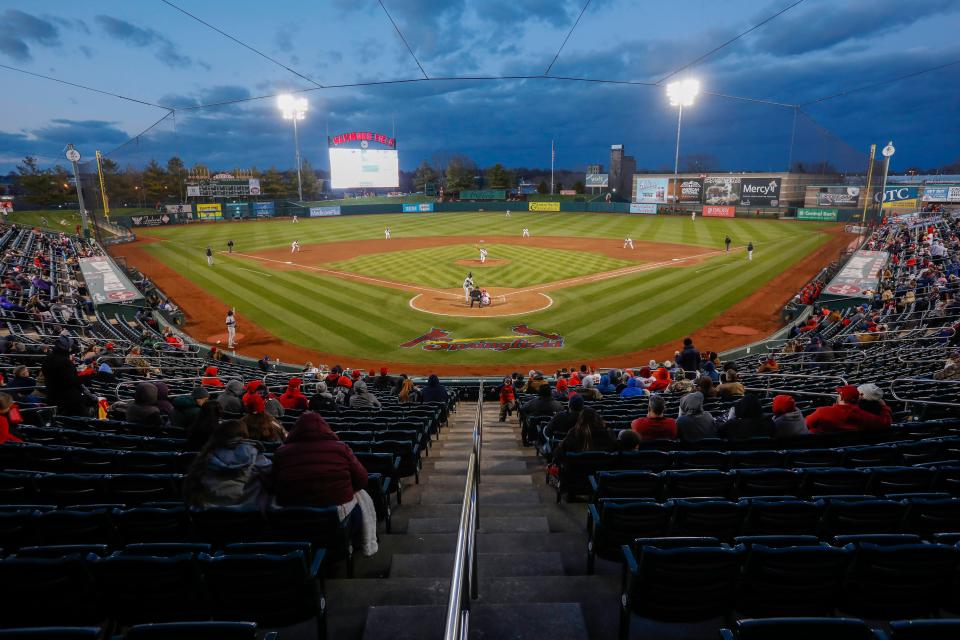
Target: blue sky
{"points": [[152, 52]]}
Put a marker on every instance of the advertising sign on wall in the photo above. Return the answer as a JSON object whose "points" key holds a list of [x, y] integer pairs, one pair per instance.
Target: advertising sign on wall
{"points": [[945, 193], [898, 197], [650, 189], [643, 207], [817, 214], [193, 191], [721, 190], [845, 197], [236, 209], [254, 186], [209, 211], [106, 282], [324, 212], [263, 209], [543, 206], [760, 192], [691, 189], [153, 220], [601, 180], [183, 209], [483, 194], [710, 211], [860, 276], [568, 192], [422, 207]]}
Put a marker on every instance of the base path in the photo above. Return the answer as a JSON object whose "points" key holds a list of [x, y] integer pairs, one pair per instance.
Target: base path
{"points": [[759, 311]]}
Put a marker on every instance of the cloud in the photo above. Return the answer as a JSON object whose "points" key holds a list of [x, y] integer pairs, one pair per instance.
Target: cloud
{"points": [[164, 49], [21, 29]]}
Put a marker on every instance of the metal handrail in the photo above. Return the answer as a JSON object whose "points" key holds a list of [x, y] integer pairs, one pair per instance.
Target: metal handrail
{"points": [[463, 581], [893, 391], [133, 383], [792, 392]]}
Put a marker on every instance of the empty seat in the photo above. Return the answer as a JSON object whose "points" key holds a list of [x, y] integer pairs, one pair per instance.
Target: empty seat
{"points": [[766, 482], [697, 483], [834, 481], [863, 516], [776, 517], [612, 523], [625, 484], [799, 629], [720, 518], [48, 591], [925, 630]]}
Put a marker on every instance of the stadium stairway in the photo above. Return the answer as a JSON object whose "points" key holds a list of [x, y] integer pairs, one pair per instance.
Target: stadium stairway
{"points": [[532, 552]]}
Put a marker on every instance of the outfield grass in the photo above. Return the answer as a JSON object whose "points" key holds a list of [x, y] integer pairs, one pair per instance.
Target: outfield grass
{"points": [[603, 318]]}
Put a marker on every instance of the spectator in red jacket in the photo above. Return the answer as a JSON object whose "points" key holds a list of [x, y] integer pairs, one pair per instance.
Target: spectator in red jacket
{"points": [[9, 418], [655, 425], [210, 378], [661, 377], [845, 415], [293, 398], [508, 399], [313, 468]]}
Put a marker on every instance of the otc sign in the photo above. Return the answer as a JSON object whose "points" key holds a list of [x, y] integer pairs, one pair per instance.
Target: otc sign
{"points": [[896, 194]]}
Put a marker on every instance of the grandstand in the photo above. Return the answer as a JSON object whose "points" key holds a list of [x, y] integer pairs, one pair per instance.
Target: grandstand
{"points": [[101, 526]]}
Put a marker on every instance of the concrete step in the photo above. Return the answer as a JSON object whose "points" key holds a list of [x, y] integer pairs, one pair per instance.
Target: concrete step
{"points": [[439, 565], [491, 524], [498, 479], [528, 621]]}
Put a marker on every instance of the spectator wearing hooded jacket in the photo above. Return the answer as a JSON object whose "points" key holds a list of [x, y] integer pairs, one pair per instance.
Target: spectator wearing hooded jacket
{"points": [[231, 400], [693, 423], [361, 398], [845, 415], [655, 425], [229, 471], [542, 405], [63, 387], [293, 398], [508, 399], [710, 370], [788, 422], [689, 357], [434, 391], [313, 468], [661, 377], [561, 393], [9, 418], [210, 378], [748, 421], [271, 404], [163, 402], [605, 387], [143, 409], [633, 389], [322, 400]]}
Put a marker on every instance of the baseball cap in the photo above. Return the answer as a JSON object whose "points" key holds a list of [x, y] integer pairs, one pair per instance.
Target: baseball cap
{"points": [[870, 391], [849, 393]]}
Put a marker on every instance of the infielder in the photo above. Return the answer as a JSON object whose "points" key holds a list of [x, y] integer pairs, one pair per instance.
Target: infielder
{"points": [[209, 257], [467, 286], [750, 251], [483, 255], [727, 242], [526, 232], [386, 233], [295, 246], [231, 329], [628, 242]]}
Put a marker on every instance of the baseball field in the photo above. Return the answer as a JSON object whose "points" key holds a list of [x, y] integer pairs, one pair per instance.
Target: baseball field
{"points": [[570, 292]]}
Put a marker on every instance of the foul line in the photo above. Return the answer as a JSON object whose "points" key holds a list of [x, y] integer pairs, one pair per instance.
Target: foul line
{"points": [[259, 273]]}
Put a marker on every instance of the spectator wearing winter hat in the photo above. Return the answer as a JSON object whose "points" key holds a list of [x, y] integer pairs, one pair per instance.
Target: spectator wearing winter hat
{"points": [[560, 392], [655, 426], [693, 423], [63, 387], [293, 398], [143, 409], [846, 415], [362, 398], [634, 388], [322, 400], [606, 387], [188, 406], [261, 425], [589, 388], [661, 377], [383, 382], [788, 422], [210, 378], [689, 358], [871, 399]]}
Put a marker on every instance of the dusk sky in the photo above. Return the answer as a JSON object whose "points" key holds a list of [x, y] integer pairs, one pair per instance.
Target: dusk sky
{"points": [[152, 52]]}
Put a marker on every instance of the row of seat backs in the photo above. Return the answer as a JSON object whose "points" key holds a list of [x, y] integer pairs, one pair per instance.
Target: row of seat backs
{"points": [[839, 629]]}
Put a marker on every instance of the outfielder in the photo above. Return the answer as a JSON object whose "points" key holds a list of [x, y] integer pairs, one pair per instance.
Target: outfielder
{"points": [[231, 329], [467, 286], [727, 242], [526, 232], [295, 218], [209, 257], [750, 251], [508, 214], [386, 233], [693, 215], [628, 242]]}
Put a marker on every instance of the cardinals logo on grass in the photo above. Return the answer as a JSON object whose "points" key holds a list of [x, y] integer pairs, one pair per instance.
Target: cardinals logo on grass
{"points": [[525, 337]]}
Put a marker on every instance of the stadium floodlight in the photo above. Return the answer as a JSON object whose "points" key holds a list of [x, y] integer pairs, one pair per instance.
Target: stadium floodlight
{"points": [[294, 109], [681, 94]]}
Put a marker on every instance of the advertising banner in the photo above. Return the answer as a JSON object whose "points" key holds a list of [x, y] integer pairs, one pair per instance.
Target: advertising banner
{"points": [[422, 207], [843, 197], [638, 207], [106, 282], [860, 276], [650, 189], [182, 209], [601, 180], [235, 210], [817, 214], [254, 186], [899, 197], [721, 190], [483, 194], [154, 220], [324, 212], [193, 191], [209, 211], [691, 189], [760, 192], [710, 211], [945, 193], [543, 206], [568, 192], [263, 209]]}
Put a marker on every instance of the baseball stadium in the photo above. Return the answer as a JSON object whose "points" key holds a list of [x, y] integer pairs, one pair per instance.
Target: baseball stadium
{"points": [[466, 320]]}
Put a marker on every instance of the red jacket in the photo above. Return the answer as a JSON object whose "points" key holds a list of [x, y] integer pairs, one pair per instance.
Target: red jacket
{"points": [[847, 417], [507, 394], [293, 398], [652, 428], [662, 380], [313, 468], [10, 419]]}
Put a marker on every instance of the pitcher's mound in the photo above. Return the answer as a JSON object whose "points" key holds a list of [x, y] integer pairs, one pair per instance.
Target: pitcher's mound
{"points": [[491, 262], [222, 338], [503, 302]]}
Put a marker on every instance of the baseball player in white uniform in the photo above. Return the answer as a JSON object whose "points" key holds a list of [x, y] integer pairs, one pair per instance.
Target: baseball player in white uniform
{"points": [[483, 255], [628, 242], [231, 329], [386, 233], [508, 214], [294, 246], [750, 251], [467, 286], [526, 232], [295, 218]]}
